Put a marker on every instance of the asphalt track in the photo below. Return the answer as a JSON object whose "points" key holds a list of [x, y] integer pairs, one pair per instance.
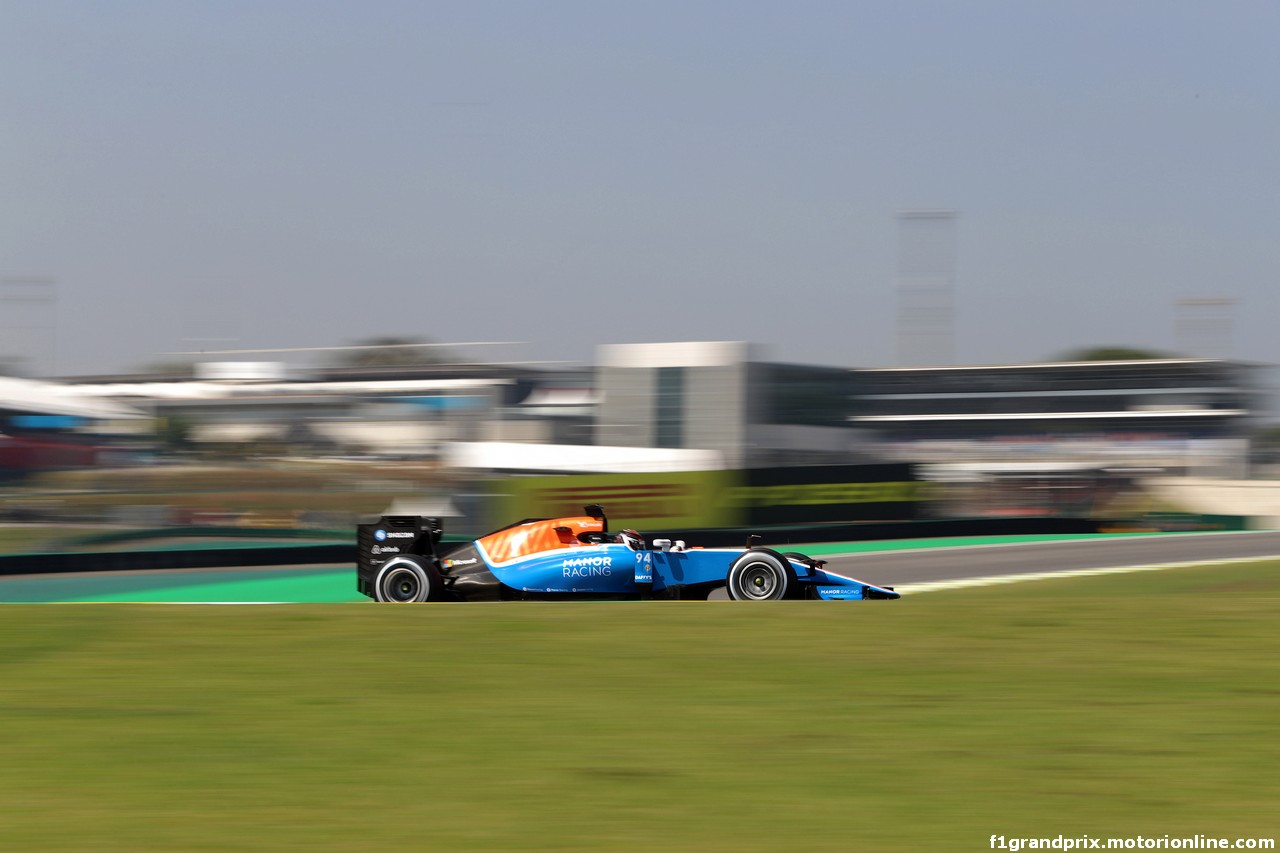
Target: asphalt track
{"points": [[922, 564], [934, 565]]}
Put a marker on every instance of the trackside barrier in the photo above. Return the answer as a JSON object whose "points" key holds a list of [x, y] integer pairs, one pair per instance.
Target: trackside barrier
{"points": [[723, 499], [202, 558], [209, 531]]}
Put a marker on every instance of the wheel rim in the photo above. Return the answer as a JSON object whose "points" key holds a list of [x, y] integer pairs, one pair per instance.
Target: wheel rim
{"points": [[758, 581], [401, 585]]}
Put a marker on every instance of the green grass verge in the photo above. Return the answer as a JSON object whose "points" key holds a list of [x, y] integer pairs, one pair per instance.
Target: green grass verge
{"points": [[1131, 704]]}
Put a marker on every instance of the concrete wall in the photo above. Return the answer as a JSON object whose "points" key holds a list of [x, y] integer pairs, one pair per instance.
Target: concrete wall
{"points": [[714, 396], [1259, 499]]}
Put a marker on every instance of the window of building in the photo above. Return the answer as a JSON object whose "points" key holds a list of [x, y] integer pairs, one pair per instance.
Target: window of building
{"points": [[669, 407]]}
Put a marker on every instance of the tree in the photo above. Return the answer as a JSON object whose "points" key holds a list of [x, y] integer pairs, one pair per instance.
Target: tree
{"points": [[1265, 445], [392, 351], [178, 369], [1112, 353], [174, 431]]}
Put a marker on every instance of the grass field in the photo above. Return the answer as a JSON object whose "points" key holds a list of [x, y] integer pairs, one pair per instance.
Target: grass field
{"points": [[1117, 706]]}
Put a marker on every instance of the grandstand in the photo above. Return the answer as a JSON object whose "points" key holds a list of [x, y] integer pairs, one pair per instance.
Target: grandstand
{"points": [[1167, 413]]}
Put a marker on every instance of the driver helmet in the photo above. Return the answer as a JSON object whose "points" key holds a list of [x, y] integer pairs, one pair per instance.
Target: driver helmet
{"points": [[631, 539]]}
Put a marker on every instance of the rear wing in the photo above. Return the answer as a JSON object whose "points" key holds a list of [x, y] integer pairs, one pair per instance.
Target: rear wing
{"points": [[393, 535]]}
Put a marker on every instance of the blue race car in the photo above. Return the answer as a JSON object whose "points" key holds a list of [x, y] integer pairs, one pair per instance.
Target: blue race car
{"points": [[577, 558]]}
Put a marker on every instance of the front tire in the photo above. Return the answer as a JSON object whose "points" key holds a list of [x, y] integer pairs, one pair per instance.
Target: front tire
{"points": [[760, 576], [406, 579]]}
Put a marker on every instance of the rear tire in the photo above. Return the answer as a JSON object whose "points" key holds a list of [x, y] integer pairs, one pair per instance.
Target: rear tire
{"points": [[406, 579], [760, 576]]}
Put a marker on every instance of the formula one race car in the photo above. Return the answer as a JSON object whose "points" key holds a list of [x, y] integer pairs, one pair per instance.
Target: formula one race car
{"points": [[577, 558]]}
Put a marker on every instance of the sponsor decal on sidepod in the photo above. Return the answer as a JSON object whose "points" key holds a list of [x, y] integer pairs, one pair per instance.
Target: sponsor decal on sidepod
{"points": [[587, 567]]}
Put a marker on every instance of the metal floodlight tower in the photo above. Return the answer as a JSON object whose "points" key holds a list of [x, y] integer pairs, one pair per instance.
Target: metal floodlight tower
{"points": [[926, 287], [1205, 327], [28, 325]]}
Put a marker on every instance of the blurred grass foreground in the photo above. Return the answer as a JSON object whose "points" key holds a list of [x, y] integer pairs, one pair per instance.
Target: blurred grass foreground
{"points": [[1135, 704]]}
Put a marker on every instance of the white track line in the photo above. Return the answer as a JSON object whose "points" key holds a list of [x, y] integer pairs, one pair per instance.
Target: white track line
{"points": [[994, 580], [1119, 537]]}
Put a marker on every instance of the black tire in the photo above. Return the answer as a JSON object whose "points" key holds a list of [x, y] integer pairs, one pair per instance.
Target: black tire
{"points": [[405, 579], [760, 576]]}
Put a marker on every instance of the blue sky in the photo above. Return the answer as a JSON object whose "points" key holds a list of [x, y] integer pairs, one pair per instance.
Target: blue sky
{"points": [[566, 174]]}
